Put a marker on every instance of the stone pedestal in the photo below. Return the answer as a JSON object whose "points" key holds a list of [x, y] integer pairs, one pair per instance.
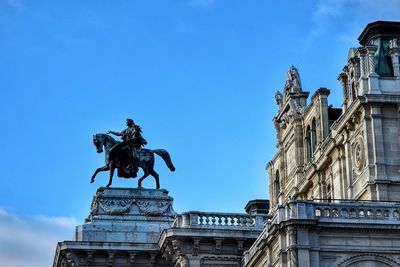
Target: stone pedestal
{"points": [[122, 229], [127, 215]]}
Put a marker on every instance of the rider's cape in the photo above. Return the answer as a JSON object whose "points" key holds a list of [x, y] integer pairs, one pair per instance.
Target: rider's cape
{"points": [[118, 149], [124, 155]]}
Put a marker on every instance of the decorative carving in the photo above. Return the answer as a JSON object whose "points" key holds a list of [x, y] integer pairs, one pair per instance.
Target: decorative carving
{"points": [[295, 108], [350, 126], [71, 260], [114, 206], [132, 255], [218, 245], [299, 109], [153, 259], [359, 154], [278, 99], [89, 256], [177, 246], [94, 208], [196, 246], [356, 118], [240, 246], [184, 261], [151, 207], [110, 259], [293, 82], [371, 49], [283, 121]]}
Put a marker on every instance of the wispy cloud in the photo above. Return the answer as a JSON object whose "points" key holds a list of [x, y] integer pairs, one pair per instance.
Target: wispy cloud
{"points": [[16, 4], [355, 13], [34, 236], [66, 222], [326, 10]]}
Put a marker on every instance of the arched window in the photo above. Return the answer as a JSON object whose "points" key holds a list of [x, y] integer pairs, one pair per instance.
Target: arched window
{"points": [[277, 187], [313, 136], [308, 143]]}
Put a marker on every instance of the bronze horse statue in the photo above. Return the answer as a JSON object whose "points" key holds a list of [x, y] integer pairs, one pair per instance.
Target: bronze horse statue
{"points": [[119, 155]]}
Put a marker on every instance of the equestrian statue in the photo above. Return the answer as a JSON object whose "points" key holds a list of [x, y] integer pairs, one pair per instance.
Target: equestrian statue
{"points": [[129, 155]]}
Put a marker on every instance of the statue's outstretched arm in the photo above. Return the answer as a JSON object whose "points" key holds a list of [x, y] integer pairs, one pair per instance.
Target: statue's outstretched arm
{"points": [[115, 133]]}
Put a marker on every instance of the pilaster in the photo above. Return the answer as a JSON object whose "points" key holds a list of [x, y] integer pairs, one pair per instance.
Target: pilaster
{"points": [[348, 193], [377, 143], [373, 82], [394, 52]]}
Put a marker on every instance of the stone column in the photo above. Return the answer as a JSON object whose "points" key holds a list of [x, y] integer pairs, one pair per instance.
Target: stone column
{"points": [[348, 193], [394, 52], [362, 81], [363, 68], [373, 83], [343, 80]]}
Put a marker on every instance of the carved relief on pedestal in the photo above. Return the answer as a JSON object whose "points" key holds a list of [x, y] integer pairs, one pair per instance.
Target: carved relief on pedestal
{"points": [[152, 207], [115, 206]]}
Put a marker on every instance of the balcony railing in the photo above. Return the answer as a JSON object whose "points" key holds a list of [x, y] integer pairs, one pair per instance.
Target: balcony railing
{"points": [[362, 211], [343, 210], [196, 219]]}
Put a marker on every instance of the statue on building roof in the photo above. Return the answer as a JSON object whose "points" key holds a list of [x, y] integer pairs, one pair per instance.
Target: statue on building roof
{"points": [[278, 98], [127, 156], [293, 81]]}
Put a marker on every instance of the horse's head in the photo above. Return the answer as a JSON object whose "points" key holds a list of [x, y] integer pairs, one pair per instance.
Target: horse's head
{"points": [[98, 141]]}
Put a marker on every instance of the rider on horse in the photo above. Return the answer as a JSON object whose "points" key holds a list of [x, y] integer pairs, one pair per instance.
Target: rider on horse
{"points": [[133, 138]]}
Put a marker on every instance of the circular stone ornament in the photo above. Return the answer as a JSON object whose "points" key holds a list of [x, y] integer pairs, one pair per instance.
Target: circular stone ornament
{"points": [[359, 154]]}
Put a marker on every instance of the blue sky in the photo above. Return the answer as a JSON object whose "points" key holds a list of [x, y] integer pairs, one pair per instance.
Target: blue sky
{"points": [[199, 76]]}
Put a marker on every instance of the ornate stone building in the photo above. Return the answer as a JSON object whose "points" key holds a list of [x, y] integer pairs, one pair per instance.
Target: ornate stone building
{"points": [[334, 187], [139, 227], [335, 180], [346, 153]]}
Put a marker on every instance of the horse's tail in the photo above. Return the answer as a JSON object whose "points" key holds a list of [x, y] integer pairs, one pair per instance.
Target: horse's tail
{"points": [[165, 156]]}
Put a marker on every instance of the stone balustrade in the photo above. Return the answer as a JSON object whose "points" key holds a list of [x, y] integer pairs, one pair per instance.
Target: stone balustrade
{"points": [[363, 211], [196, 219], [341, 210]]}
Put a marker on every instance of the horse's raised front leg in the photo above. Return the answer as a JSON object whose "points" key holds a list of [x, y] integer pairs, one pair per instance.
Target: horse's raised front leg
{"points": [[112, 168], [104, 168]]}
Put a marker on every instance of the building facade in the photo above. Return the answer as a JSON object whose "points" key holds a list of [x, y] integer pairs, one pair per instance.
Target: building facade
{"points": [[335, 180]]}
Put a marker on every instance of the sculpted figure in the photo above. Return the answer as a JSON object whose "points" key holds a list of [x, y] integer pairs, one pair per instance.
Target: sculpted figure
{"points": [[133, 132], [278, 98], [293, 79], [127, 156], [133, 140]]}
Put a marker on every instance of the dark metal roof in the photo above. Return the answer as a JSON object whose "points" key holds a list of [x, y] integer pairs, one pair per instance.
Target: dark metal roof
{"points": [[379, 29]]}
